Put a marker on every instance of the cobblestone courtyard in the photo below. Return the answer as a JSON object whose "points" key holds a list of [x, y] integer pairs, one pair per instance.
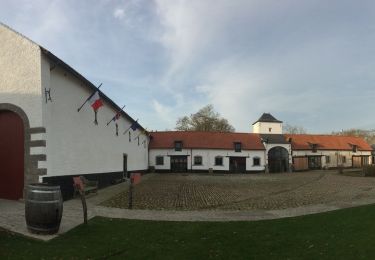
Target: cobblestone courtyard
{"points": [[244, 192]]}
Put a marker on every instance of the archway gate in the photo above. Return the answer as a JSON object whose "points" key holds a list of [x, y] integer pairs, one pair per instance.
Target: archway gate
{"points": [[278, 159], [11, 155]]}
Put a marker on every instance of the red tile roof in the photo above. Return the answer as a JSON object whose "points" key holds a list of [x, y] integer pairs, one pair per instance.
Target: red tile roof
{"points": [[205, 140], [327, 142]]}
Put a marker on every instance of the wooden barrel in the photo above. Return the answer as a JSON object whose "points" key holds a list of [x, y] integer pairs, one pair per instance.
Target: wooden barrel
{"points": [[43, 208]]}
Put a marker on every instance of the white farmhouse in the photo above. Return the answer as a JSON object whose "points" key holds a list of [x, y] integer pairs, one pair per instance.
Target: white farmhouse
{"points": [[42, 135], [182, 151], [328, 151]]}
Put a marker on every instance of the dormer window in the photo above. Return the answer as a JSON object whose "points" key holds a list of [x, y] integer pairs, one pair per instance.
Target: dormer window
{"points": [[178, 146], [314, 147], [354, 148], [237, 147]]}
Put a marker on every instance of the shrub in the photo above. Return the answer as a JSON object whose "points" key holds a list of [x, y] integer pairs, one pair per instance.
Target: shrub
{"points": [[368, 170]]}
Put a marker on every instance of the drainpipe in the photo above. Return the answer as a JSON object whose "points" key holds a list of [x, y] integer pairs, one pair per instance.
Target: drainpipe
{"points": [[265, 159], [191, 159]]}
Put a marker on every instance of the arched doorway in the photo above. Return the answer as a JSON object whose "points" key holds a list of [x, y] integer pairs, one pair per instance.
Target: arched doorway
{"points": [[278, 159], [12, 136]]}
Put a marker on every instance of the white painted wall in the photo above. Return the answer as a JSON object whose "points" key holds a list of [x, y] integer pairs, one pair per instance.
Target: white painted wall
{"points": [[208, 156], [335, 156], [20, 74], [75, 145], [267, 128]]}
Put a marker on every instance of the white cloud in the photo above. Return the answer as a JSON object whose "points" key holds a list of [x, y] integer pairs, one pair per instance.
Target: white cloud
{"points": [[299, 60], [251, 56], [163, 112], [119, 13]]}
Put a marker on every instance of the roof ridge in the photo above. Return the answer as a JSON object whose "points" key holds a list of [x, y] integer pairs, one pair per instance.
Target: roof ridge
{"points": [[328, 135], [19, 34], [215, 132], [70, 69]]}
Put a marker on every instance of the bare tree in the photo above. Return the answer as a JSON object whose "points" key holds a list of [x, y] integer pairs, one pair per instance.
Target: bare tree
{"points": [[368, 135], [206, 119], [292, 129]]}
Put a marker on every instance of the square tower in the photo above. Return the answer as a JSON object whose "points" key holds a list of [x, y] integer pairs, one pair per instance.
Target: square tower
{"points": [[268, 124]]}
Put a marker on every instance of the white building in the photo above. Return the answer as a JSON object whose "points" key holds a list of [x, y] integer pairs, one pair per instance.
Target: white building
{"points": [[267, 149], [42, 135], [328, 151], [180, 151]]}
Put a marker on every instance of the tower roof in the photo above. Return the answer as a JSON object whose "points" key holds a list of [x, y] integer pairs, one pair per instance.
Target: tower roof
{"points": [[267, 117]]}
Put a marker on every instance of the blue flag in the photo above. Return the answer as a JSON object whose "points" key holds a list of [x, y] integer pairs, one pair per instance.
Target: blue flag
{"points": [[134, 126]]}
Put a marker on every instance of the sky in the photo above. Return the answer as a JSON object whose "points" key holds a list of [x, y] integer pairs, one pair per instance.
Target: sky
{"points": [[308, 63]]}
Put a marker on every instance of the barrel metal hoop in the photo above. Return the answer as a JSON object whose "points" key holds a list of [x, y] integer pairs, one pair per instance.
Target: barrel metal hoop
{"points": [[45, 191], [43, 202]]}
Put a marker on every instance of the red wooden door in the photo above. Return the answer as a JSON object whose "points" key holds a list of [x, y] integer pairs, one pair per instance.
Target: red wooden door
{"points": [[11, 155]]}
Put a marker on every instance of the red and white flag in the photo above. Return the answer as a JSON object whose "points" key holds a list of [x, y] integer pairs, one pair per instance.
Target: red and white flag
{"points": [[95, 101]]}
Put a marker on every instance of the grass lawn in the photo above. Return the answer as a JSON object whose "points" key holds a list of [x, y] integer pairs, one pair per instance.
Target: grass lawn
{"points": [[342, 234]]}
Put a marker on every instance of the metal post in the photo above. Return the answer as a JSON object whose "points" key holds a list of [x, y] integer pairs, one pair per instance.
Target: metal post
{"points": [[84, 205], [131, 186]]}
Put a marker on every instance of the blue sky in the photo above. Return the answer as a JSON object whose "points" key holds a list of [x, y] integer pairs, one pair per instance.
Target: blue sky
{"points": [[309, 63]]}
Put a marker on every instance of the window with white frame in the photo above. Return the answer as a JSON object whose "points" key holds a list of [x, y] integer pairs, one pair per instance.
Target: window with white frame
{"points": [[159, 160], [328, 159], [256, 161], [198, 160], [219, 160], [343, 159]]}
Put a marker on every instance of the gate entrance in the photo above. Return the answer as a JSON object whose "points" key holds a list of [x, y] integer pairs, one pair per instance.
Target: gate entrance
{"points": [[179, 163], [278, 159], [315, 162], [237, 164], [11, 155]]}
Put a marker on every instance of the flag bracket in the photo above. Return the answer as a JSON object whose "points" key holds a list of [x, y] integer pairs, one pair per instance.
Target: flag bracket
{"points": [[47, 94], [54, 66]]}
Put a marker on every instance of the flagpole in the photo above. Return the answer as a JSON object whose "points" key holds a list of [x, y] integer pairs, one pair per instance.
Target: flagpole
{"points": [[141, 132], [130, 127], [137, 136], [116, 115], [79, 109]]}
